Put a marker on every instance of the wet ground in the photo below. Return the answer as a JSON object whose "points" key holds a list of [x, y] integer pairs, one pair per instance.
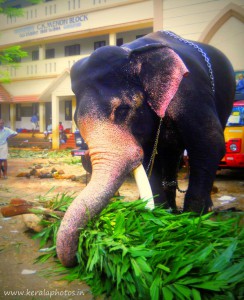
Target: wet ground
{"points": [[20, 278], [228, 190]]}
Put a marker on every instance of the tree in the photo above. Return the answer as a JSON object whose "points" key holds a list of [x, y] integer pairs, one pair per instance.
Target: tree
{"points": [[10, 11], [11, 56]]}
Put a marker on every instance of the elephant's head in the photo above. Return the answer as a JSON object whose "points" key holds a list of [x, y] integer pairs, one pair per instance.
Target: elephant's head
{"points": [[112, 86]]}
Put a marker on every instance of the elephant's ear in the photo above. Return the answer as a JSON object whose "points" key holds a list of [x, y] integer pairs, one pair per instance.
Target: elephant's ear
{"points": [[160, 70], [75, 75]]}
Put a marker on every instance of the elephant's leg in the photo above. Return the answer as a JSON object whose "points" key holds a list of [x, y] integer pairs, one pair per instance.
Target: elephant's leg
{"points": [[205, 152], [164, 175]]}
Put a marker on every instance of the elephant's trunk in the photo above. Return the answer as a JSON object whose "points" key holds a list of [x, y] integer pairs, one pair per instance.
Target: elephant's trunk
{"points": [[114, 153]]}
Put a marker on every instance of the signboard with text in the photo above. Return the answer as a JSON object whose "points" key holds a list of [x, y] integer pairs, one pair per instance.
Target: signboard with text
{"points": [[51, 26]]}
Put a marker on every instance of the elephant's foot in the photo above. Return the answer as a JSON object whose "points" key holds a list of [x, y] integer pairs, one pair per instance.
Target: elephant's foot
{"points": [[169, 204], [196, 205]]}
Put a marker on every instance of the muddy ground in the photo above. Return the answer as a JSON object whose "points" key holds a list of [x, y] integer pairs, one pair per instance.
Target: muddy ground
{"points": [[20, 277]]}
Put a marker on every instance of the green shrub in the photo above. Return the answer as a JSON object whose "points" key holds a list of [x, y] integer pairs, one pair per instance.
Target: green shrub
{"points": [[130, 252]]}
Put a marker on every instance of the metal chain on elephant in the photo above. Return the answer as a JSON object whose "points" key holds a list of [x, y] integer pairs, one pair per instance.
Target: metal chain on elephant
{"points": [[154, 152], [173, 183], [199, 49]]}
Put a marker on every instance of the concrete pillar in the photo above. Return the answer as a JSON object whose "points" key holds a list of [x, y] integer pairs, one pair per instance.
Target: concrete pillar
{"points": [[13, 116], [55, 122], [73, 113], [112, 39], [42, 52], [158, 15], [42, 116]]}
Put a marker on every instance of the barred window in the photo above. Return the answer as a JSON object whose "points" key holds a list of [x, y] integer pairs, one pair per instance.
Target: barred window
{"points": [[99, 44], [35, 55], [50, 53], [119, 42], [72, 50]]}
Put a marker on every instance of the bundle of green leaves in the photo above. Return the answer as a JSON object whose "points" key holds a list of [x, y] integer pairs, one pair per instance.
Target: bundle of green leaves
{"points": [[18, 153], [130, 252]]}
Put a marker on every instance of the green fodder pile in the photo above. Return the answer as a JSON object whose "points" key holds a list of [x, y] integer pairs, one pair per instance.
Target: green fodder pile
{"points": [[60, 155], [130, 252]]}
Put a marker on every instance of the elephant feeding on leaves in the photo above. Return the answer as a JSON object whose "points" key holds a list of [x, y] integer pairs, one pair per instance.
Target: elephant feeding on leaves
{"points": [[147, 101]]}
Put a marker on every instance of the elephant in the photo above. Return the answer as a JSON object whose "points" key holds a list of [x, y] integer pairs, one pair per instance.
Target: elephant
{"points": [[145, 102]]}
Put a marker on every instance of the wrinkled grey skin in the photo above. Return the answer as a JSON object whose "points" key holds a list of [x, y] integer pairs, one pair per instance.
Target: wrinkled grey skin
{"points": [[122, 92]]}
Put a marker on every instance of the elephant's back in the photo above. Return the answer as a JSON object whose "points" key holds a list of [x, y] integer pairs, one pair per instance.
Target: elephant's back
{"points": [[214, 64]]}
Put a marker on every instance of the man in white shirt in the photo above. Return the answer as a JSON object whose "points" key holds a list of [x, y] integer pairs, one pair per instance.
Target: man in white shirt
{"points": [[5, 134]]}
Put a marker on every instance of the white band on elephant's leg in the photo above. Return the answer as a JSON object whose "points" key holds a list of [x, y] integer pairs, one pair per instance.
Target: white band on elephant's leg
{"points": [[143, 186]]}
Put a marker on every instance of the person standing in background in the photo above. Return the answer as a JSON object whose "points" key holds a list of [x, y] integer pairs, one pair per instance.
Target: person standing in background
{"points": [[60, 127], [240, 84], [49, 130], [34, 121], [5, 134]]}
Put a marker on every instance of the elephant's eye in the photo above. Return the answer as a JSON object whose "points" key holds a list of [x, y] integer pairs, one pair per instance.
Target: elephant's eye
{"points": [[121, 113]]}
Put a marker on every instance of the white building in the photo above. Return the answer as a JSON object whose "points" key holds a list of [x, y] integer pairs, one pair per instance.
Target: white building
{"points": [[58, 33]]}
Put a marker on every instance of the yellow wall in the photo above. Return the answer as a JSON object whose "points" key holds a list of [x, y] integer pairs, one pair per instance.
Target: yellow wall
{"points": [[230, 39], [89, 18], [219, 23]]}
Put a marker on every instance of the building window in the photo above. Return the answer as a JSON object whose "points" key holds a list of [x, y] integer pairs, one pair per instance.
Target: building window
{"points": [[68, 110], [15, 58], [16, 6], [18, 112], [26, 111], [72, 50], [99, 44], [139, 36], [119, 42], [50, 53], [35, 55]]}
